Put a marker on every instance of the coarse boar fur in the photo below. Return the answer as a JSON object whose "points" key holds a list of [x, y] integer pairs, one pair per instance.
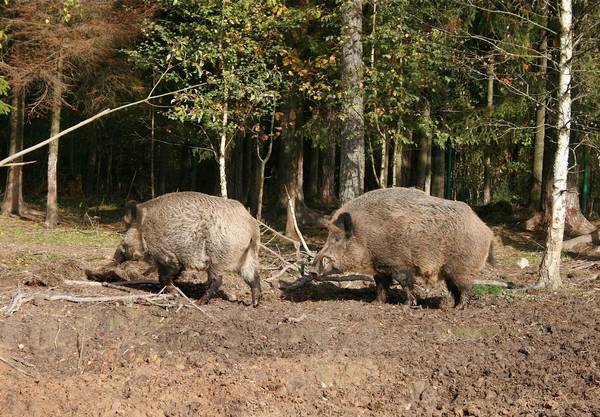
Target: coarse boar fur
{"points": [[194, 232], [395, 233]]}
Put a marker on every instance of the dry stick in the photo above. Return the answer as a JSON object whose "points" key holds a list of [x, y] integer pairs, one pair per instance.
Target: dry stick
{"points": [[293, 212], [289, 239], [119, 285], [15, 367], [87, 121], [18, 164], [278, 256], [192, 303], [280, 273]]}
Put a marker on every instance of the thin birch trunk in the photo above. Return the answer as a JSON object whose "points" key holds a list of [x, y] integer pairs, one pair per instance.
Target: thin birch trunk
{"points": [[222, 149], [549, 274], [52, 196], [397, 163], [262, 166]]}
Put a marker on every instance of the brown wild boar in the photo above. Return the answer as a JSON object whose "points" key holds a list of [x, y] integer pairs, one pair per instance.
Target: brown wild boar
{"points": [[193, 232], [395, 233]]}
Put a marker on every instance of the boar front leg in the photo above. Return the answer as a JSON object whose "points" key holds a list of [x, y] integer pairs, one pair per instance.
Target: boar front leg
{"points": [[382, 285], [166, 275]]}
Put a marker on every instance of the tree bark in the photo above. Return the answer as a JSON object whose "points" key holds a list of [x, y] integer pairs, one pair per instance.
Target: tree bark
{"points": [[549, 274], [13, 195], [290, 166], [152, 130], [424, 156], [439, 172], [352, 158], [312, 178], [327, 175], [535, 195], [487, 161], [384, 167], [52, 196], [397, 163]]}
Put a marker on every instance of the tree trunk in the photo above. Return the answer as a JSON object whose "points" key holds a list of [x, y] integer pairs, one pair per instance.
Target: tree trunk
{"points": [[90, 175], [222, 150], [291, 163], [52, 196], [327, 175], [439, 172], [575, 222], [384, 167], [152, 130], [13, 195], [487, 180], [549, 275], [424, 156], [535, 195], [487, 162], [261, 174], [449, 184], [352, 158], [312, 177], [397, 163]]}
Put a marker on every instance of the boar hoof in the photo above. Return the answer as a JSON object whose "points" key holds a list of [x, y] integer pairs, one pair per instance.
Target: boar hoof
{"points": [[256, 296]]}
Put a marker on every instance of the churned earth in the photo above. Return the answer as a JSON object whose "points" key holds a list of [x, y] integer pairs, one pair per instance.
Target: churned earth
{"points": [[323, 349]]}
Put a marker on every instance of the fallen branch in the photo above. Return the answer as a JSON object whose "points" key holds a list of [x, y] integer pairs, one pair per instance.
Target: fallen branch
{"points": [[590, 238], [116, 285], [20, 298], [87, 121], [15, 367], [304, 279]]}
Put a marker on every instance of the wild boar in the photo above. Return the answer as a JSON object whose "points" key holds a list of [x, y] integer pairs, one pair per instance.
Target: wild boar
{"points": [[191, 231], [395, 233]]}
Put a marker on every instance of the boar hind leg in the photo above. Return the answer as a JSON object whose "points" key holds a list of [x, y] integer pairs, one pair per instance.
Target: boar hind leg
{"points": [[457, 287], [213, 284], [382, 285], [253, 280]]}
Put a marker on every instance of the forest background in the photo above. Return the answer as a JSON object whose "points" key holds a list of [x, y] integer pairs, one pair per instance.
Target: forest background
{"points": [[303, 104]]}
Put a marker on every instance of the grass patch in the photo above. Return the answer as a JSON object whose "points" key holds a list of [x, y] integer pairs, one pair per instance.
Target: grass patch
{"points": [[18, 231], [492, 290]]}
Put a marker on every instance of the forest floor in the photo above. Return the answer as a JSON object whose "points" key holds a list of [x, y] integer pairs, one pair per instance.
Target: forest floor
{"points": [[323, 349]]}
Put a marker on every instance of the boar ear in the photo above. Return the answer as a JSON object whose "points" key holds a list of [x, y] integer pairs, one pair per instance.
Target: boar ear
{"points": [[130, 213], [344, 222]]}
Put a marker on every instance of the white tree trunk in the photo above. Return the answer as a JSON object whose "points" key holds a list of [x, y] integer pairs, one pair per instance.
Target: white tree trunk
{"points": [[549, 275], [487, 161], [222, 149]]}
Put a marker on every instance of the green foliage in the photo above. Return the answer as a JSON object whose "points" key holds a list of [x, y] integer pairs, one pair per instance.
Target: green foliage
{"points": [[4, 88]]}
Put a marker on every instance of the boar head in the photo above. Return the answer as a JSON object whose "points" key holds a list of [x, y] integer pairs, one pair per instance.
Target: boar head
{"points": [[343, 251]]}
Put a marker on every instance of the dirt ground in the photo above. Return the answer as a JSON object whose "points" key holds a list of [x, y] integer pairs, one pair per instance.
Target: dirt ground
{"points": [[323, 349]]}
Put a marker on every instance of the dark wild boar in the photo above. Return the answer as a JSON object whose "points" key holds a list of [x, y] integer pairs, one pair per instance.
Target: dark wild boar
{"points": [[395, 233], [193, 232]]}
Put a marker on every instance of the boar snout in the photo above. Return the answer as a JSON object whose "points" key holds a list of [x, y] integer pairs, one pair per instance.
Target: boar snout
{"points": [[323, 265]]}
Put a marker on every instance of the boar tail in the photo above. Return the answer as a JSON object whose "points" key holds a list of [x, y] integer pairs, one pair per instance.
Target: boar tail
{"points": [[491, 259], [131, 212], [249, 264]]}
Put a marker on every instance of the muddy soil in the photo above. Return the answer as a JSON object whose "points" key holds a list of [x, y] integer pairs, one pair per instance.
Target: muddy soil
{"points": [[322, 350]]}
